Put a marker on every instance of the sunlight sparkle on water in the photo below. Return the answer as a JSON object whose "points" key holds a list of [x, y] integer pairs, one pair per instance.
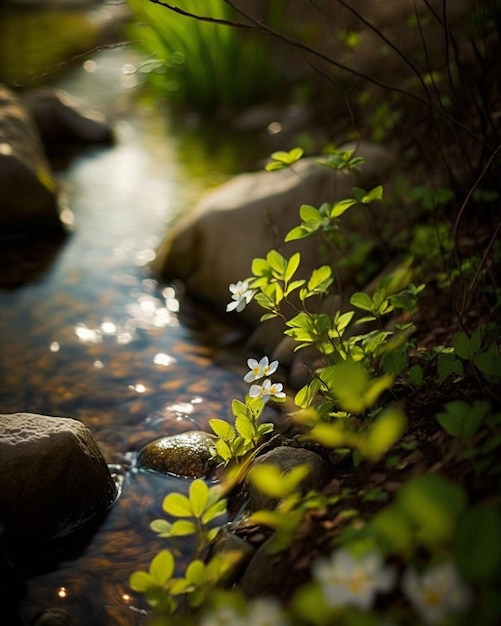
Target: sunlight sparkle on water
{"points": [[87, 335], [138, 387], [163, 359]]}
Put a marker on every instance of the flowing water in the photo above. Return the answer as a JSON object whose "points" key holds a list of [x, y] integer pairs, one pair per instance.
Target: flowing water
{"points": [[94, 337]]}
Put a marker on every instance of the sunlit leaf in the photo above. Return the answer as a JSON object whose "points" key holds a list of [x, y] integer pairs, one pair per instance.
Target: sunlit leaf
{"points": [[141, 581], [384, 433], [162, 567], [178, 505], [180, 528], [274, 483], [341, 207], [196, 573], [433, 504], [362, 301], [309, 213], [238, 408], [199, 494], [162, 527], [245, 427], [292, 265], [222, 429]]}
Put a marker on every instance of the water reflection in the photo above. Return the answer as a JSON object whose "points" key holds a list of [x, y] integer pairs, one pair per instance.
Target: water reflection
{"points": [[96, 338]]}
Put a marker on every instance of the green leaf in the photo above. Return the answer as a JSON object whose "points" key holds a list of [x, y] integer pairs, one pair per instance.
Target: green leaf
{"points": [[415, 375], [238, 408], [222, 429], [291, 267], [365, 197], [433, 504], [462, 346], [162, 527], [305, 396], [448, 364], [463, 420], [245, 427], [277, 263], [181, 528], [299, 232], [214, 511], [260, 267], [478, 545], [178, 505], [341, 207], [384, 433], [162, 567], [196, 573], [199, 494], [320, 278], [141, 581], [309, 213], [352, 387], [394, 362], [362, 301], [274, 483]]}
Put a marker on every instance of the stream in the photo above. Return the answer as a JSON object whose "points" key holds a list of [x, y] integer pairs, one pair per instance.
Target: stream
{"points": [[94, 337]]}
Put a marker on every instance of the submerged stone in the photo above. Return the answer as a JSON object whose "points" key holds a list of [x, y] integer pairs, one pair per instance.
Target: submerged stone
{"points": [[186, 454]]}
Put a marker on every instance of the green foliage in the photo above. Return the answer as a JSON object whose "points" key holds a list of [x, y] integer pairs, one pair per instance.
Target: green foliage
{"points": [[478, 352], [281, 160], [292, 506], [348, 406], [233, 443], [463, 420], [198, 513], [201, 64]]}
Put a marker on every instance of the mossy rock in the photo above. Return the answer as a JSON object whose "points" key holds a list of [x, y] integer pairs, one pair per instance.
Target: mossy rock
{"points": [[186, 454]]}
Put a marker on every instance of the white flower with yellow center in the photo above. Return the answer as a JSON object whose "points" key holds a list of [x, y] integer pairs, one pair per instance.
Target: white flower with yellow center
{"points": [[261, 368], [241, 295], [267, 390], [437, 593], [347, 580]]}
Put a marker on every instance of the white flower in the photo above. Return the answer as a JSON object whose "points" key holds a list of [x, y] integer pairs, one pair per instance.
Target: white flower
{"points": [[223, 616], [265, 612], [267, 390], [436, 593], [260, 369], [241, 296], [348, 580]]}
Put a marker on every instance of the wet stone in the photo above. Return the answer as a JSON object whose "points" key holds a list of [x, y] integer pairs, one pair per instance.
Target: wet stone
{"points": [[186, 454]]}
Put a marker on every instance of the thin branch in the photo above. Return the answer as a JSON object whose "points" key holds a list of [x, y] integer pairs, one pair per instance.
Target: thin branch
{"points": [[58, 66], [258, 26]]}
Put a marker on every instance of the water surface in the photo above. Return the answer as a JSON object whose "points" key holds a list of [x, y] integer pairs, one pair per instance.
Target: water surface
{"points": [[94, 337]]}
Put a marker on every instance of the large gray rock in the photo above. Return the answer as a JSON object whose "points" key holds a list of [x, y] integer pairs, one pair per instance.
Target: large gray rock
{"points": [[246, 217], [27, 187], [53, 477]]}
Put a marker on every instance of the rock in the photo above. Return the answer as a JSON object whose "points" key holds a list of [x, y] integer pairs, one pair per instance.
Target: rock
{"points": [[268, 574], [287, 458], [249, 215], [53, 617], [186, 454], [53, 478], [60, 120], [28, 190]]}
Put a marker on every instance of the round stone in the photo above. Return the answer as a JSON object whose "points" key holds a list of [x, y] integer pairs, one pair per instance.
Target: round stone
{"points": [[186, 454]]}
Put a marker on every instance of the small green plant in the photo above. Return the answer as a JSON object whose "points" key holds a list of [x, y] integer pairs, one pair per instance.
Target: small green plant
{"points": [[199, 64], [198, 513]]}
